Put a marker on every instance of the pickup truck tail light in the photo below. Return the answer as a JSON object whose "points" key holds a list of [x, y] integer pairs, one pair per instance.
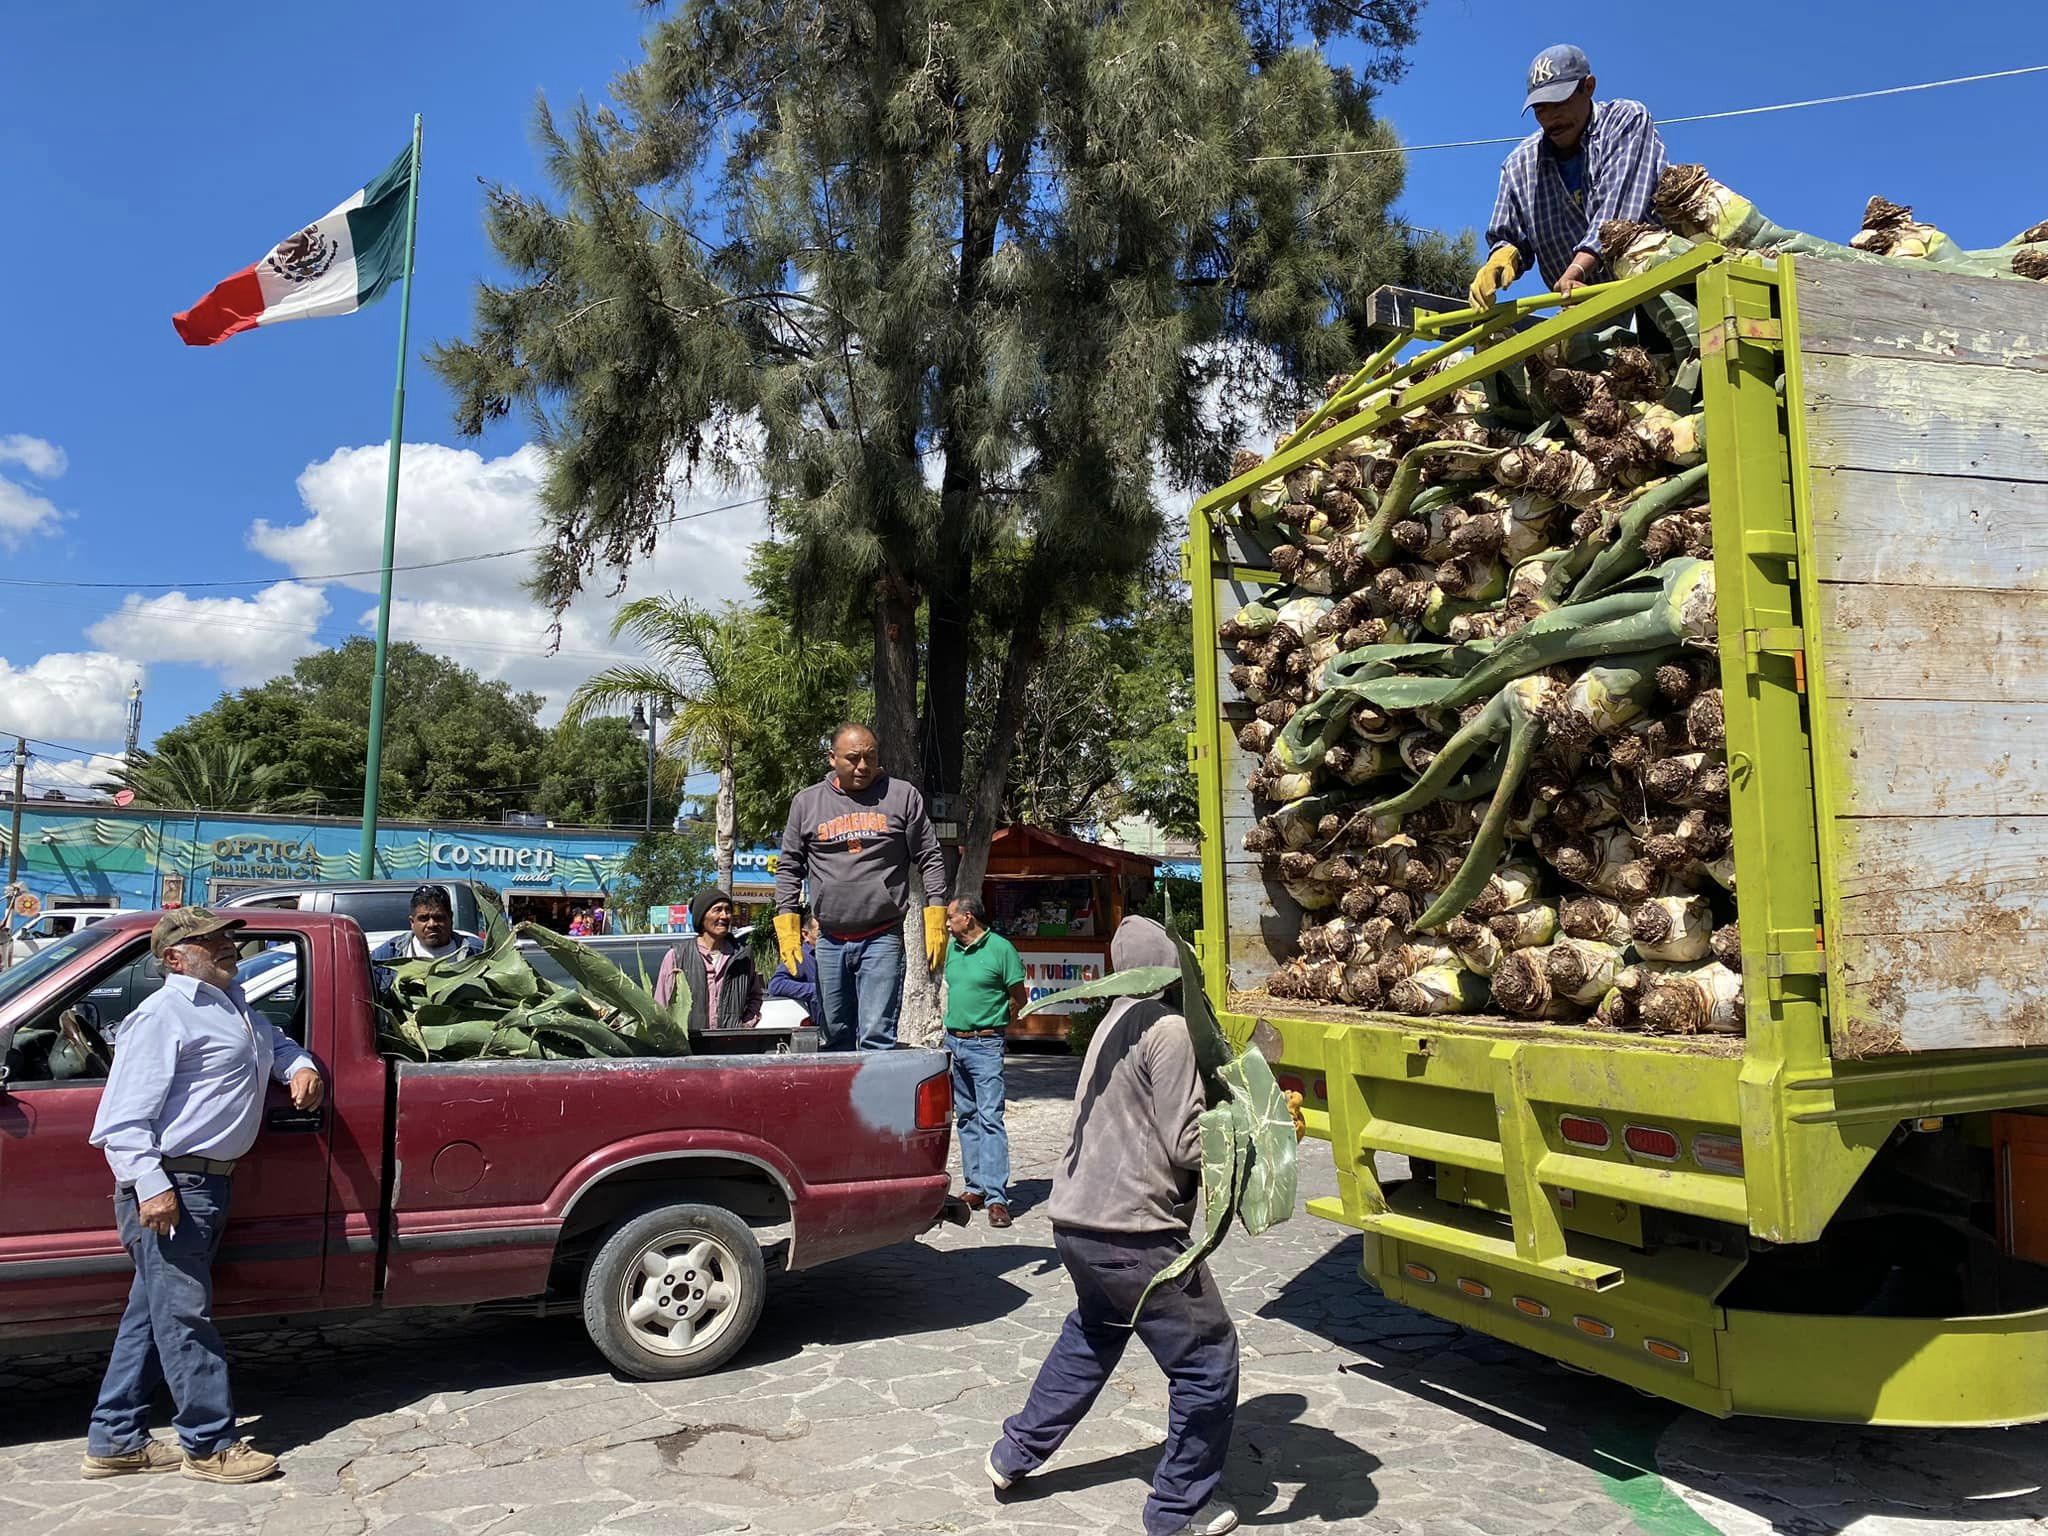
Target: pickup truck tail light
{"points": [[1720, 1154], [934, 1101]]}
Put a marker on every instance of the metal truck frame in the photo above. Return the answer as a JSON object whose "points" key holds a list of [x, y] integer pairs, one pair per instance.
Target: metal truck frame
{"points": [[1669, 1272]]}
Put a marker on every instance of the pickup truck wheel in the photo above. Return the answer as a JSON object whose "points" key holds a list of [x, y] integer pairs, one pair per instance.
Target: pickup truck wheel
{"points": [[675, 1292]]}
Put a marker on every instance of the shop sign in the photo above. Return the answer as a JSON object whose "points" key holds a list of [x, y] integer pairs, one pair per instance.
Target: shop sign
{"points": [[524, 865], [755, 866], [1047, 972], [265, 858]]}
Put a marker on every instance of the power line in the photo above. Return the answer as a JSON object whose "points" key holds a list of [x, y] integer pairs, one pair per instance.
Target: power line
{"points": [[375, 570], [1697, 117]]}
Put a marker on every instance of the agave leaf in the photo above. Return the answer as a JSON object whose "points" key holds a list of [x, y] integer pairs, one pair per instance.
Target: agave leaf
{"points": [[605, 982], [1139, 981], [1271, 1169], [1213, 1050], [1225, 1134], [584, 1038]]}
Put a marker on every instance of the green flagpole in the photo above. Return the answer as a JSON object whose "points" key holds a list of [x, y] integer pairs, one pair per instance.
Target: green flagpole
{"points": [[372, 771]]}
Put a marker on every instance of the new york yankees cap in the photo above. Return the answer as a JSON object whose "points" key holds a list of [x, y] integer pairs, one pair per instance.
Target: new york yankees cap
{"points": [[1555, 73]]}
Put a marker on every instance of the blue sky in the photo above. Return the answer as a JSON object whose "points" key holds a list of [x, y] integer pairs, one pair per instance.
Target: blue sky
{"points": [[199, 135]]}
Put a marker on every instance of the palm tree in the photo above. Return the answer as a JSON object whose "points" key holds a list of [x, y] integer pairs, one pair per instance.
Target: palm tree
{"points": [[712, 674], [208, 776]]}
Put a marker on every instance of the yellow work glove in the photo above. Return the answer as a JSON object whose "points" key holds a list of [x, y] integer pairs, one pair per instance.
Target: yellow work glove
{"points": [[935, 936], [1498, 271], [1294, 1109], [789, 941]]}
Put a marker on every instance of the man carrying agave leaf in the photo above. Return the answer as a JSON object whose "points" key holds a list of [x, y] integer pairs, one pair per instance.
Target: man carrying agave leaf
{"points": [[1589, 161], [1122, 1199]]}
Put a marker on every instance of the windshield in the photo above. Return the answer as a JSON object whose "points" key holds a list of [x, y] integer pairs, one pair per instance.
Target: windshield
{"points": [[19, 978], [268, 961]]}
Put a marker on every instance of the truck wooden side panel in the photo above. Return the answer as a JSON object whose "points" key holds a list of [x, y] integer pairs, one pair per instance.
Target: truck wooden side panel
{"points": [[1926, 428]]}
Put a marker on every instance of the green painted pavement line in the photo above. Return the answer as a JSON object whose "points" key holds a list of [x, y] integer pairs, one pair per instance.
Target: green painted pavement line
{"points": [[1625, 1461]]}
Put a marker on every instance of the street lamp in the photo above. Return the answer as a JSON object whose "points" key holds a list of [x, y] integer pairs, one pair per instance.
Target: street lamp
{"points": [[650, 719]]}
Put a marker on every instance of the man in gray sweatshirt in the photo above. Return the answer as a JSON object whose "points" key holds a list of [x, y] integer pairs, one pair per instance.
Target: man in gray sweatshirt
{"points": [[1122, 1199], [854, 836]]}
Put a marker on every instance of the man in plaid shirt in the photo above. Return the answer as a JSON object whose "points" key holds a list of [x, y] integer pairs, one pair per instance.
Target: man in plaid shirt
{"points": [[1590, 162]]}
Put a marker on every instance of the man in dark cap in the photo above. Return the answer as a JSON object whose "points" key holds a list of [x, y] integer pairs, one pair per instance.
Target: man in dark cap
{"points": [[1122, 1200], [725, 984], [182, 1105], [1588, 162]]}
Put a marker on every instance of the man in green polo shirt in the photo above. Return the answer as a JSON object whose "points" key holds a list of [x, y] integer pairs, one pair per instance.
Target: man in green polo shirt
{"points": [[984, 991]]}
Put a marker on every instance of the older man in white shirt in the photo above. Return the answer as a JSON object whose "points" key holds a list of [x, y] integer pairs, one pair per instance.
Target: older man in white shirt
{"points": [[183, 1103]]}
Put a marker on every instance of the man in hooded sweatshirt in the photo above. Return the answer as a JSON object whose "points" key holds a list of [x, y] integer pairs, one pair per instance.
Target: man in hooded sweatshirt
{"points": [[1122, 1200], [858, 837]]}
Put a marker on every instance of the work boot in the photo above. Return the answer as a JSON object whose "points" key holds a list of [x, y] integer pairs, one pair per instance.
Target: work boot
{"points": [[150, 1456], [971, 1200], [1212, 1519], [999, 1215], [240, 1462]]}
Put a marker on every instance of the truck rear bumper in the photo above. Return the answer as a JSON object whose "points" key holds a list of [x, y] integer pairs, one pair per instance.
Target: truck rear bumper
{"points": [[1657, 1328]]}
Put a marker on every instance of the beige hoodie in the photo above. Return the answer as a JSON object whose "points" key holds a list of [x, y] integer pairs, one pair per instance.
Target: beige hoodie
{"points": [[1132, 1162]]}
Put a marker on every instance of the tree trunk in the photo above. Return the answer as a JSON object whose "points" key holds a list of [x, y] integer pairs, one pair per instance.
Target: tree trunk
{"points": [[921, 1018], [985, 800], [895, 674], [725, 828]]}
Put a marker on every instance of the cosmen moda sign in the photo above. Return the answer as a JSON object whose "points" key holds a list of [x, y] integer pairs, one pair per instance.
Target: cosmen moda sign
{"points": [[524, 865]]}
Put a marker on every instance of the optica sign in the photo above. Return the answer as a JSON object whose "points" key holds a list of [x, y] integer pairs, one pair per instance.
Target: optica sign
{"points": [[533, 865]]}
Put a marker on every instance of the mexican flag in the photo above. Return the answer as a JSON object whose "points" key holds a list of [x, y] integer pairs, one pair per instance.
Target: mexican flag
{"points": [[334, 266]]}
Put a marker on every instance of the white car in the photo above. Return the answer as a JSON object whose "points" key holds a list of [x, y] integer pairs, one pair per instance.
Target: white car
{"points": [[59, 923]]}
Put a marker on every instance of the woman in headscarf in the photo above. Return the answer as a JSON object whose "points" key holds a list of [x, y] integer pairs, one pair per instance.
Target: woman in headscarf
{"points": [[725, 985]]}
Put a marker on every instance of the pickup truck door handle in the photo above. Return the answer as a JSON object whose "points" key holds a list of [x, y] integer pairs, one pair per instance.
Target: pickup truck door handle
{"points": [[289, 1120]]}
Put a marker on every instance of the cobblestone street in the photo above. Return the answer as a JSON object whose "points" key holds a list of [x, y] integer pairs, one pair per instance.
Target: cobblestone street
{"points": [[866, 1401]]}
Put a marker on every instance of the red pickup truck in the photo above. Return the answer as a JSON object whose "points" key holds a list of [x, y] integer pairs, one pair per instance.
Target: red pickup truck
{"points": [[656, 1194]]}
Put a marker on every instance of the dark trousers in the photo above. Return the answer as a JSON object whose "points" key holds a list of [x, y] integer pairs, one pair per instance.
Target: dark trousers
{"points": [[167, 1332], [1189, 1334]]}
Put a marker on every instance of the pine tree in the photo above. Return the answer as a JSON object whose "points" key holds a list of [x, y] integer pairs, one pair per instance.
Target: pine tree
{"points": [[960, 282]]}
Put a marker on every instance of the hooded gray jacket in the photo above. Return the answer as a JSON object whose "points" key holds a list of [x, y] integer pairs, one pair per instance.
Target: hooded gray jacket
{"points": [[1133, 1161]]}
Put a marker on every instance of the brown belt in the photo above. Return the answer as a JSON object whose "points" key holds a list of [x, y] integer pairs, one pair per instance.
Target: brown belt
{"points": [[974, 1034], [197, 1165]]}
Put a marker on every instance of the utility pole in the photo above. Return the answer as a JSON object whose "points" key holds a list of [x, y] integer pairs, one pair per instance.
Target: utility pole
{"points": [[14, 833]]}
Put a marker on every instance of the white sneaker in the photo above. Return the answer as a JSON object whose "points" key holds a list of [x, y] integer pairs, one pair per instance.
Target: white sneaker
{"points": [[1212, 1519], [995, 1474]]}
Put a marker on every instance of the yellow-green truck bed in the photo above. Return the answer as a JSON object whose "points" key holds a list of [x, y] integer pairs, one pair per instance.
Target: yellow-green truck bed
{"points": [[1853, 1226]]}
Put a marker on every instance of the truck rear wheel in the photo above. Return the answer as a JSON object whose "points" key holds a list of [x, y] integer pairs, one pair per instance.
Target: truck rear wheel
{"points": [[675, 1292]]}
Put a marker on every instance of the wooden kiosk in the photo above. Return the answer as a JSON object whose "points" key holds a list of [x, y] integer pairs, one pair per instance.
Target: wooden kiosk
{"points": [[1058, 899]]}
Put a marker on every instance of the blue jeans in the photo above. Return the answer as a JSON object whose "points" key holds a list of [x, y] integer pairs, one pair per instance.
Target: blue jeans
{"points": [[860, 991], [1187, 1331], [978, 1111], [167, 1333]]}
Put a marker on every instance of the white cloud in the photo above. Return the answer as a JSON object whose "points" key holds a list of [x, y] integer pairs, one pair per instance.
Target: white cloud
{"points": [[77, 777], [453, 503], [22, 511], [68, 696], [39, 456], [245, 639]]}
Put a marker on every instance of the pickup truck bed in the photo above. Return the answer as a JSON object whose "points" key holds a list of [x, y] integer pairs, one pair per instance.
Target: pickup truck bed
{"points": [[459, 1183]]}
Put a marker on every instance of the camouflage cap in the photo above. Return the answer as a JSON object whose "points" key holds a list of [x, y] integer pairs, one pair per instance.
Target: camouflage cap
{"points": [[186, 924]]}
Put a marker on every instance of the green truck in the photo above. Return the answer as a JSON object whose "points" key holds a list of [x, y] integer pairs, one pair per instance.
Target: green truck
{"points": [[1842, 1212]]}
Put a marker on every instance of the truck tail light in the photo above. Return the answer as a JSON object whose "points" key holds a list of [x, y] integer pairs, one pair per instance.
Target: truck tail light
{"points": [[1667, 1351], [1593, 1326], [1420, 1272], [1585, 1131], [1720, 1154], [1477, 1288], [1528, 1306], [1289, 1083], [934, 1101], [1649, 1141]]}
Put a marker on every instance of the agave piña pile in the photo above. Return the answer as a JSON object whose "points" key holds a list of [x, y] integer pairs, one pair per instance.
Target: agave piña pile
{"points": [[1487, 713]]}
